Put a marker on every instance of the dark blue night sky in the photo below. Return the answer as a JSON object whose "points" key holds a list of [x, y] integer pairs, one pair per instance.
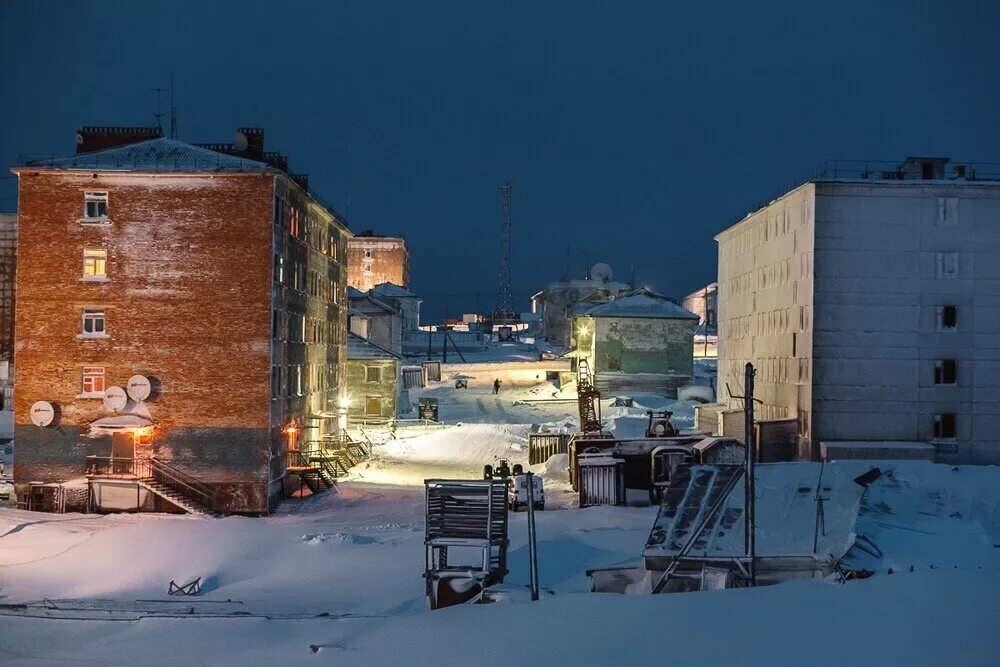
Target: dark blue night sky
{"points": [[633, 131]]}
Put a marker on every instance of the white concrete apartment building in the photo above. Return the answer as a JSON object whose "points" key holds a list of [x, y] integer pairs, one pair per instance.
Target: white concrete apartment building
{"points": [[869, 302]]}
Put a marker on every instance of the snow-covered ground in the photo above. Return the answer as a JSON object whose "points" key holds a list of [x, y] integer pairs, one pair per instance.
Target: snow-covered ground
{"points": [[337, 577]]}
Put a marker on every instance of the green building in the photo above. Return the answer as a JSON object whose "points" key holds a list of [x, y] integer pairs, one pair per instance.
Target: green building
{"points": [[641, 342]]}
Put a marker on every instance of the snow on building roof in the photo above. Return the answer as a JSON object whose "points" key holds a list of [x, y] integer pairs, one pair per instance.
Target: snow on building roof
{"points": [[356, 300], [362, 348], [391, 289], [159, 155], [642, 303], [121, 421], [785, 511]]}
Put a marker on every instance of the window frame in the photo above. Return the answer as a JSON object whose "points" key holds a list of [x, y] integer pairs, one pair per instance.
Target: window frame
{"points": [[96, 197], [942, 324], [94, 259], [942, 374], [94, 315], [95, 375], [368, 374], [940, 420]]}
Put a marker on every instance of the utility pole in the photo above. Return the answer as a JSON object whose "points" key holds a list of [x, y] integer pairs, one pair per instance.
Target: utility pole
{"points": [[504, 311], [749, 499], [532, 550]]}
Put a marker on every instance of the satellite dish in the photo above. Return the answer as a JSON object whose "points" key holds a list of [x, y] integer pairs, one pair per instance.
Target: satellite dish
{"points": [[115, 399], [240, 142], [79, 139], [138, 388], [42, 413], [601, 272]]}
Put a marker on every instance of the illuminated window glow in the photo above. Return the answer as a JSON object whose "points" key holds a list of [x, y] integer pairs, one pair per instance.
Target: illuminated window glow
{"points": [[95, 263]]}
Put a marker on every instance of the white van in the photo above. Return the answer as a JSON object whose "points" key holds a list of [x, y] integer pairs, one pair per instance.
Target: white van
{"points": [[517, 492]]}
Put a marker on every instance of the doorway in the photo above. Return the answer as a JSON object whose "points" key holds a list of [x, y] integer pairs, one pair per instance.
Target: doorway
{"points": [[122, 452]]}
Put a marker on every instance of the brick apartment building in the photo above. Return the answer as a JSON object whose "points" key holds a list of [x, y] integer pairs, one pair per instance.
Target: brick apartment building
{"points": [[373, 260], [210, 271]]}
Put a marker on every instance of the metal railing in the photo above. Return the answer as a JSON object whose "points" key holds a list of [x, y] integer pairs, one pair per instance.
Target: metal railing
{"points": [[158, 471]]}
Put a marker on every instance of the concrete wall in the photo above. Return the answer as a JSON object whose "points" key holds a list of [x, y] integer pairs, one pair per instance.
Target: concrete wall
{"points": [[833, 292], [765, 306], [877, 294]]}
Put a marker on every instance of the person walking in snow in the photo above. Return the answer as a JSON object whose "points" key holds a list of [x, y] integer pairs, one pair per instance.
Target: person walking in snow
{"points": [[496, 386]]}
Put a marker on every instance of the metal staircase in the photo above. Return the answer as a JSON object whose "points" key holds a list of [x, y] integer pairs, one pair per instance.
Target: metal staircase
{"points": [[170, 483], [588, 399]]}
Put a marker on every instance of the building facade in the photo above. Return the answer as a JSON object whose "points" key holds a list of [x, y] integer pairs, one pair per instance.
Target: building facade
{"points": [[868, 304], [373, 260], [704, 304], [407, 302], [8, 263], [373, 379], [219, 279], [557, 304], [639, 342]]}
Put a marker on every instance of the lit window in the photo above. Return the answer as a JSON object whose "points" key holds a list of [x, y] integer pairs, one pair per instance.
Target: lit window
{"points": [[93, 322], [945, 371], [95, 206], [945, 426], [93, 380], [279, 269], [95, 263], [373, 374], [947, 318]]}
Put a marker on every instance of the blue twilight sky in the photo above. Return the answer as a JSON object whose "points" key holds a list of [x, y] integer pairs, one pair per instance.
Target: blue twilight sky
{"points": [[633, 131]]}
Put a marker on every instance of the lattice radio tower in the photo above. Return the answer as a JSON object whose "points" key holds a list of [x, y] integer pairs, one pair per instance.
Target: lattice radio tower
{"points": [[504, 311]]}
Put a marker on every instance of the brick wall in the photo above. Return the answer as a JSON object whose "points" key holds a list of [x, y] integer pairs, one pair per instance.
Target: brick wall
{"points": [[372, 261], [187, 303]]}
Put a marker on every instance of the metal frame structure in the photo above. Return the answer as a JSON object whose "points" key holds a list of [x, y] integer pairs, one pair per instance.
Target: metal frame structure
{"points": [[504, 312], [465, 514]]}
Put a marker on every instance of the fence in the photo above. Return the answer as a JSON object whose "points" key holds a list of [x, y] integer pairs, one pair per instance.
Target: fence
{"points": [[541, 446]]}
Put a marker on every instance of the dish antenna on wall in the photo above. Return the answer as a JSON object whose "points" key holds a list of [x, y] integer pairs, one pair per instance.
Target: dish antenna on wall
{"points": [[115, 399], [601, 272], [240, 142], [79, 139], [138, 388], [42, 413]]}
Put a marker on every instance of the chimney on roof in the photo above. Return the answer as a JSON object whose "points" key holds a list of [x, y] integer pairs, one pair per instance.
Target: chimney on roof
{"points": [[94, 138], [255, 142], [302, 180]]}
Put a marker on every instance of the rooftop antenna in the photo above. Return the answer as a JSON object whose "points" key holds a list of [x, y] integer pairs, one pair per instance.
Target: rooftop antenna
{"points": [[173, 110], [504, 311], [159, 114]]}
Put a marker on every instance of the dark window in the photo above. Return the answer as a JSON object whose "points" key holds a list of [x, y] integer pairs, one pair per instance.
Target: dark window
{"points": [[927, 171], [373, 374], [949, 317], [945, 425], [945, 371]]}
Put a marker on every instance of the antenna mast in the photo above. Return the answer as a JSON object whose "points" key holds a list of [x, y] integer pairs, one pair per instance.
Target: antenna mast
{"points": [[504, 311], [173, 110]]}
